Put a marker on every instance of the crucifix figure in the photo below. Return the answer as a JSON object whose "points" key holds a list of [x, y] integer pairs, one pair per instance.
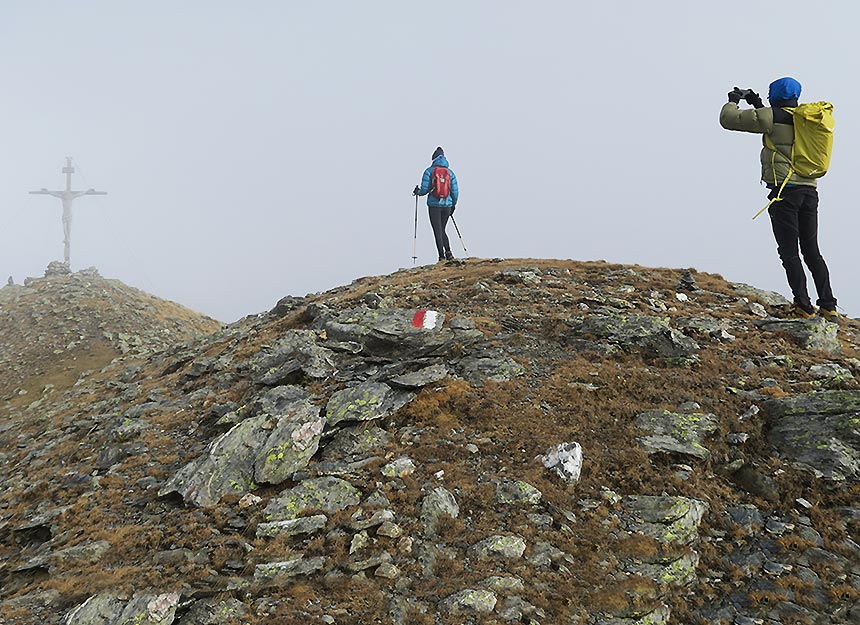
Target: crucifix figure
{"points": [[67, 195]]}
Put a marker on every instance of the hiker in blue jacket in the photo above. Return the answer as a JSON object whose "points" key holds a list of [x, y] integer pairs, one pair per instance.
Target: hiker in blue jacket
{"points": [[439, 184]]}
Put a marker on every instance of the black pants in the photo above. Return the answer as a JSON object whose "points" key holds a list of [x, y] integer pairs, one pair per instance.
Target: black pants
{"points": [[439, 219], [795, 223]]}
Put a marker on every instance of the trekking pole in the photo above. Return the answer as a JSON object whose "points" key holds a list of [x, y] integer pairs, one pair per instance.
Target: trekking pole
{"points": [[461, 237], [415, 236]]}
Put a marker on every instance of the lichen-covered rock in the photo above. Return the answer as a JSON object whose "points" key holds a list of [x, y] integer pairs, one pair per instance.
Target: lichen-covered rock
{"points": [[422, 377], [289, 568], [438, 504], [652, 336], [291, 444], [389, 332], [471, 600], [356, 442], [292, 527], [98, 609], [510, 492], [327, 494], [500, 546], [671, 520], [488, 364], [398, 468], [717, 329], [818, 431], [214, 612], [265, 448], [365, 402], [770, 298], [109, 609], [226, 466], [676, 433], [679, 571], [296, 351], [505, 584], [360, 520], [368, 563], [814, 334], [387, 570]]}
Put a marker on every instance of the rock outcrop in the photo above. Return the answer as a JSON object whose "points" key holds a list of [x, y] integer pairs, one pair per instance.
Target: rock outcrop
{"points": [[491, 442]]}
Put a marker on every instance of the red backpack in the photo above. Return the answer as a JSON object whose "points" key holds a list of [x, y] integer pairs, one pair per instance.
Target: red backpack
{"points": [[440, 182]]}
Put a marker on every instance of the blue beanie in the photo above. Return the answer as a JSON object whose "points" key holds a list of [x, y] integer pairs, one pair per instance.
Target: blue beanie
{"points": [[783, 89]]}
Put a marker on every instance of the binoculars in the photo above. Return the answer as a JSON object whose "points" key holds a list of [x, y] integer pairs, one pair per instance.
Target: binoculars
{"points": [[743, 93]]}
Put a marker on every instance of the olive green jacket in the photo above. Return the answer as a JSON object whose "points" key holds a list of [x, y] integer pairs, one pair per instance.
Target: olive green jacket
{"points": [[774, 164]]}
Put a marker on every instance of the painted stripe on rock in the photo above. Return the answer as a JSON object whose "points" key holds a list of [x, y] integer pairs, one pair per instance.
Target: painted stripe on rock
{"points": [[425, 319]]}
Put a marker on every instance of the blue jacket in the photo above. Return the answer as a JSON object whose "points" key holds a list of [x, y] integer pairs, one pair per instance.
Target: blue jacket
{"points": [[435, 202]]}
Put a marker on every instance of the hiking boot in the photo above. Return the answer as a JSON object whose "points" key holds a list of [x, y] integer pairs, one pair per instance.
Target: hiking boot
{"points": [[829, 314], [799, 312], [449, 256]]}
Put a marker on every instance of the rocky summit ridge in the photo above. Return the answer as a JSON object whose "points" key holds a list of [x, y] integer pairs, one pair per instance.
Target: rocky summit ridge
{"points": [[495, 441], [64, 323]]}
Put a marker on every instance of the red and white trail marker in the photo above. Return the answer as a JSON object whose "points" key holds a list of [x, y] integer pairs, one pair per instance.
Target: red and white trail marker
{"points": [[426, 319]]}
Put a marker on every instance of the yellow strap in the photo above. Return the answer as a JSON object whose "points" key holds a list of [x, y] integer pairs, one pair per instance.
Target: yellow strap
{"points": [[778, 197]]}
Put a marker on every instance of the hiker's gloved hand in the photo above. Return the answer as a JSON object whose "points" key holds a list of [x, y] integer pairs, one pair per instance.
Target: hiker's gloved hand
{"points": [[416, 190], [754, 99], [735, 95]]}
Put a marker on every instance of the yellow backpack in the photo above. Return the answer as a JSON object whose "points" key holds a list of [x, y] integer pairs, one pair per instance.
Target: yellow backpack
{"points": [[813, 143]]}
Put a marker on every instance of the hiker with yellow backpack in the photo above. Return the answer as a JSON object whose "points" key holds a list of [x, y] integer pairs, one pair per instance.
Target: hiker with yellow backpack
{"points": [[797, 141]]}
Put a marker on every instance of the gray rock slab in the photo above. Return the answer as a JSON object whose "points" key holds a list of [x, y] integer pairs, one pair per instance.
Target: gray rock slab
{"points": [[678, 572], [289, 568], [40, 528], [517, 492], [108, 609], [365, 402], [814, 334], [356, 442], [488, 364], [510, 547], [327, 494], [670, 520], [676, 433], [296, 351], [265, 448], [422, 377], [435, 506], [646, 334], [771, 298], [290, 445], [471, 600], [390, 332], [40, 603], [292, 527], [279, 399], [214, 612], [818, 431], [717, 329]]}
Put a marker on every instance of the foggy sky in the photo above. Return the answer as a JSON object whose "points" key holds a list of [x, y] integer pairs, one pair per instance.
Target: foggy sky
{"points": [[256, 150]]}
